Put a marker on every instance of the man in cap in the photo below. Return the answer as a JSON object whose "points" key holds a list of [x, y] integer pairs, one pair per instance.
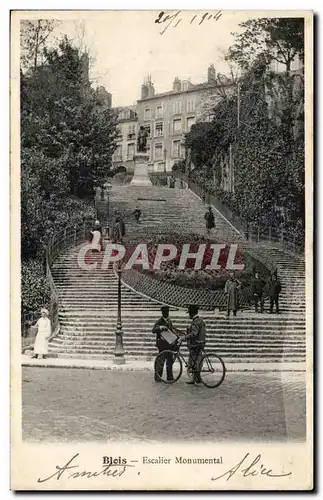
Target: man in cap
{"points": [[195, 342], [161, 325]]}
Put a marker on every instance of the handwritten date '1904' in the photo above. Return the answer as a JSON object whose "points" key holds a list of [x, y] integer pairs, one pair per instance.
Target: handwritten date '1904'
{"points": [[174, 19]]}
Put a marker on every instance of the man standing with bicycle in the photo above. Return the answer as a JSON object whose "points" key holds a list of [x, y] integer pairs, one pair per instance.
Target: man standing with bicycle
{"points": [[163, 324], [195, 342]]}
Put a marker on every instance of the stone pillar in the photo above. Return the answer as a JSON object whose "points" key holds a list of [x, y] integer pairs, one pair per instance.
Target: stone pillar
{"points": [[140, 176]]}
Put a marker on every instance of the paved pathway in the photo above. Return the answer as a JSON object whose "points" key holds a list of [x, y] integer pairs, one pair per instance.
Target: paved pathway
{"points": [[95, 405]]}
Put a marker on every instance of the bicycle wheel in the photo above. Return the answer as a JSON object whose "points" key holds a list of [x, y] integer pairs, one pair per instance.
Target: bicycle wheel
{"points": [[212, 370], [168, 358]]}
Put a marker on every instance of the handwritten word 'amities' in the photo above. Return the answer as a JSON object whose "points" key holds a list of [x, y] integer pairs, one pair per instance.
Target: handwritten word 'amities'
{"points": [[113, 471], [174, 19], [250, 467]]}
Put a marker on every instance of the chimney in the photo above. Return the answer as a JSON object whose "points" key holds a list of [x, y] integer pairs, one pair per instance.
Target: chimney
{"points": [[176, 85], [144, 90], [211, 74], [151, 88]]}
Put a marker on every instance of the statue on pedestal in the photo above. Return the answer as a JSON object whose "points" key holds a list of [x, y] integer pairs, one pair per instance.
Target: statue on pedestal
{"points": [[142, 140]]}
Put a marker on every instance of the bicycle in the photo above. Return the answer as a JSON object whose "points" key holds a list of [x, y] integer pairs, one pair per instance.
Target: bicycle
{"points": [[210, 365]]}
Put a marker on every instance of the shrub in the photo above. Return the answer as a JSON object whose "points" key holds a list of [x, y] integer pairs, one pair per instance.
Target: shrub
{"points": [[35, 291]]}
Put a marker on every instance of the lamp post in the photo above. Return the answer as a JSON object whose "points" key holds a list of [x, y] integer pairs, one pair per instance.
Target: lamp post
{"points": [[108, 188], [119, 358]]}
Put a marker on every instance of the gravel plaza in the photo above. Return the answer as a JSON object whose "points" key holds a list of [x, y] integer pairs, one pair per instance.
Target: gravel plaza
{"points": [[84, 405]]}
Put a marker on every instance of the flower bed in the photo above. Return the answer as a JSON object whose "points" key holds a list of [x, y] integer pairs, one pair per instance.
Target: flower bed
{"points": [[203, 278]]}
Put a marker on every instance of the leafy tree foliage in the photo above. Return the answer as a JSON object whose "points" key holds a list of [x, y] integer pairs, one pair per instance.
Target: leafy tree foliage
{"points": [[35, 292], [34, 35], [267, 150], [67, 141], [278, 39]]}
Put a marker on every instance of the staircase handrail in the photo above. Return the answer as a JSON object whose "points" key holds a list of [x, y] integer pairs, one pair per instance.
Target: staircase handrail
{"points": [[71, 235]]}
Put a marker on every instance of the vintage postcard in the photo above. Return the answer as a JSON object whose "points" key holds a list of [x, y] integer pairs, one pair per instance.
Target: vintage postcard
{"points": [[161, 251]]}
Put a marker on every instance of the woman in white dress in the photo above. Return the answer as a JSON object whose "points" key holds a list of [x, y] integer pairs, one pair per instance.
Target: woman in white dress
{"points": [[96, 237], [43, 334]]}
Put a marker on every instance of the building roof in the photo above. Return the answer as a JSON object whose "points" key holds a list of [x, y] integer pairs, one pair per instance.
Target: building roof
{"points": [[133, 113], [199, 86]]}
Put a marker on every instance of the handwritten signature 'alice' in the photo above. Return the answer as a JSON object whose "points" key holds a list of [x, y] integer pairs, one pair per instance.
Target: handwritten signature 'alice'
{"points": [[175, 19], [253, 468]]}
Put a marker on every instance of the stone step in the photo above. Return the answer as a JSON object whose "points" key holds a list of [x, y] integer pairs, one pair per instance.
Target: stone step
{"points": [[234, 321], [147, 326], [292, 348], [266, 345], [239, 351], [126, 305], [145, 357], [238, 356], [149, 337]]}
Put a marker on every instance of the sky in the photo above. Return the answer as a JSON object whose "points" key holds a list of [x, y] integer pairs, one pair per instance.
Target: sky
{"points": [[127, 45]]}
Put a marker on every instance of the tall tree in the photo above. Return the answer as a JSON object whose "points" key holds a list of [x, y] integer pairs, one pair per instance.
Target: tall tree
{"points": [[279, 39], [33, 35], [67, 140]]}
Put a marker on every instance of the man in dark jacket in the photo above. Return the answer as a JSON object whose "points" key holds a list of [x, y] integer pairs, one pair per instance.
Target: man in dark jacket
{"points": [[119, 229], [161, 325], [209, 218], [172, 181], [274, 291], [257, 287], [195, 343]]}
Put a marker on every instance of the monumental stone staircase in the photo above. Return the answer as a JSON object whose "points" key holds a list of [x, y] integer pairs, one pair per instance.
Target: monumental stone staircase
{"points": [[88, 298], [164, 211]]}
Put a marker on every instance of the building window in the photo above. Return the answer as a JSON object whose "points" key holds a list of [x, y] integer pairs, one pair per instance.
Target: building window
{"points": [[147, 114], [189, 123], [159, 111], [177, 108], [148, 128], [148, 150], [176, 149], [130, 151], [125, 114], [158, 151], [118, 153], [159, 129], [184, 85], [131, 132], [190, 106], [177, 126]]}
